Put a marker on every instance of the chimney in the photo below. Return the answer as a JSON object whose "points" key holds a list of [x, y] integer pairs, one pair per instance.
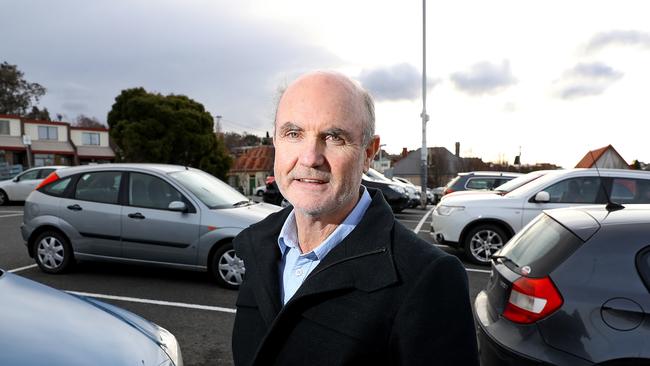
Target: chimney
{"points": [[458, 149], [405, 152]]}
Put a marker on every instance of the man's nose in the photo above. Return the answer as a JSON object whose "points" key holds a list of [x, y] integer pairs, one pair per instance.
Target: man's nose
{"points": [[311, 154]]}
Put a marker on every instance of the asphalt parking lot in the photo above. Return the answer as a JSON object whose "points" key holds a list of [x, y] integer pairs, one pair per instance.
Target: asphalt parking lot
{"points": [[198, 312]]}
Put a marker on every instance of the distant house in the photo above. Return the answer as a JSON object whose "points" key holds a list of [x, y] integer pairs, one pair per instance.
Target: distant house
{"points": [[443, 166], [605, 157], [26, 142], [92, 145], [251, 168]]}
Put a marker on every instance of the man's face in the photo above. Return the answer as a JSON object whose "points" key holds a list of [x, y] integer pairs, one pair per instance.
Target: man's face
{"points": [[319, 157]]}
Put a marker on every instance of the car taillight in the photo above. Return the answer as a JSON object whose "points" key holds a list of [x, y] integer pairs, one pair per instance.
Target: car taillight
{"points": [[447, 191], [532, 299], [49, 179]]}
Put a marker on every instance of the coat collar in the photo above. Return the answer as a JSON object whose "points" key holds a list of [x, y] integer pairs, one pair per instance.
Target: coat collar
{"points": [[363, 260]]}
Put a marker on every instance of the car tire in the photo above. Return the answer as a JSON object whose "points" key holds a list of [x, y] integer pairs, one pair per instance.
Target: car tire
{"points": [[259, 193], [226, 268], [4, 199], [52, 252], [482, 242]]}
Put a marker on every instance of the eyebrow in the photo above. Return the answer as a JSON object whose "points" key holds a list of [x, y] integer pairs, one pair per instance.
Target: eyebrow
{"points": [[289, 126]]}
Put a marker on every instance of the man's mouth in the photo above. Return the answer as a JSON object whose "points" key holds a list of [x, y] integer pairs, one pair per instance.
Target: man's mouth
{"points": [[308, 180]]}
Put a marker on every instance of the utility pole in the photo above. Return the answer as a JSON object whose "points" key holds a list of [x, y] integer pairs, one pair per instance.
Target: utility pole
{"points": [[425, 117]]}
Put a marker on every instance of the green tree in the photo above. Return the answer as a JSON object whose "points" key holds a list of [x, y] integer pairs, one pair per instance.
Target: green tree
{"points": [[17, 95], [171, 129], [39, 114]]}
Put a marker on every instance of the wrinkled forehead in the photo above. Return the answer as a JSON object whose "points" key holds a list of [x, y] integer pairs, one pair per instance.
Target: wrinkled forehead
{"points": [[322, 98]]}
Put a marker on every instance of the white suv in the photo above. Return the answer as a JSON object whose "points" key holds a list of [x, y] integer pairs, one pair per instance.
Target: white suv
{"points": [[481, 224]]}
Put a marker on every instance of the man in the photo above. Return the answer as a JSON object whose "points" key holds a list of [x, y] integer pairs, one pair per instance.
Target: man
{"points": [[335, 279]]}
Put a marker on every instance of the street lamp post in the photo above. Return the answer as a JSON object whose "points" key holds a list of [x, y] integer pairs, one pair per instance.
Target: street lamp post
{"points": [[381, 162], [425, 117]]}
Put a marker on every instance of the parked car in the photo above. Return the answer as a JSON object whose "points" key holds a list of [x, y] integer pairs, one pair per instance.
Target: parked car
{"points": [[259, 190], [506, 187], [437, 194], [570, 289], [395, 194], [478, 181], [481, 224], [20, 186], [45, 326], [163, 215], [415, 192]]}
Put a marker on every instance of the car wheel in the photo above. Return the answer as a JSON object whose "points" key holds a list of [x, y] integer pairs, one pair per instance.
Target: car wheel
{"points": [[3, 198], [226, 268], [259, 193], [53, 252], [482, 242]]}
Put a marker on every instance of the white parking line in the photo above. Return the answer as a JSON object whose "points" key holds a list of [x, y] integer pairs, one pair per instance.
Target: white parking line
{"points": [[477, 270], [12, 215], [155, 302], [424, 218], [21, 268], [9, 211]]}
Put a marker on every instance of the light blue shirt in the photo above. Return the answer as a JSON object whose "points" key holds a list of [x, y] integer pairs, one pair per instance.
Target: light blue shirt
{"points": [[296, 266]]}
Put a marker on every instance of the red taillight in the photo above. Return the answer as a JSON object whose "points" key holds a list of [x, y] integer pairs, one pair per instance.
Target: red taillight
{"points": [[49, 179], [532, 299], [447, 191]]}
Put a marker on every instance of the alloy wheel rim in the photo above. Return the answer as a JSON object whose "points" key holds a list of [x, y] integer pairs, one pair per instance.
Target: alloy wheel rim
{"points": [[231, 268], [485, 243], [50, 252]]}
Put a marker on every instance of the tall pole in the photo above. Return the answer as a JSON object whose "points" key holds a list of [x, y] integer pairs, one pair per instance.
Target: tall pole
{"points": [[425, 117]]}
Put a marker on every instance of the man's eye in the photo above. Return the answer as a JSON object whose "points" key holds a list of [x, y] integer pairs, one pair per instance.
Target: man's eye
{"points": [[335, 138], [292, 134]]}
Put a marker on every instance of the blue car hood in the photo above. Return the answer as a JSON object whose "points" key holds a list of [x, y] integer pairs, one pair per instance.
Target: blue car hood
{"points": [[40, 325]]}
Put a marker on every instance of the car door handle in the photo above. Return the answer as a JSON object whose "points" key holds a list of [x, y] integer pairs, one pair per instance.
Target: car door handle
{"points": [[136, 215], [75, 207]]}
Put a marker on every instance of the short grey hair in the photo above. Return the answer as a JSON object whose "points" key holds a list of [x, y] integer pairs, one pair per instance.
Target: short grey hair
{"points": [[368, 109]]}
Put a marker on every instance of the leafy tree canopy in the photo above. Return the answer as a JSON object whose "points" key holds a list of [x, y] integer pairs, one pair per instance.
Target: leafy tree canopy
{"points": [[170, 129], [39, 114], [17, 95]]}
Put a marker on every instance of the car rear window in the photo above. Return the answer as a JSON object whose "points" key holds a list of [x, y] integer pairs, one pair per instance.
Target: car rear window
{"points": [[540, 247], [57, 188]]}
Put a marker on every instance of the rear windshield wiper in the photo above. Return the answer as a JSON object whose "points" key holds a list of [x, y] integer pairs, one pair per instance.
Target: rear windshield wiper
{"points": [[503, 259]]}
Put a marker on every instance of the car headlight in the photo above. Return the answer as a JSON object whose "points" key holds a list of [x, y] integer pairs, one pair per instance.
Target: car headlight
{"points": [[398, 189], [168, 343], [448, 210]]}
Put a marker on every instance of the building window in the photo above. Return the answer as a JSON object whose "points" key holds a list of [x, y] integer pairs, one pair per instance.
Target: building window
{"points": [[43, 159], [90, 138], [4, 127], [48, 133]]}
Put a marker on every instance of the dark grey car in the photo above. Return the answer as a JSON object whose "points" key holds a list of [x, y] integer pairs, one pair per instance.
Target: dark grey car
{"points": [[164, 215], [571, 288]]}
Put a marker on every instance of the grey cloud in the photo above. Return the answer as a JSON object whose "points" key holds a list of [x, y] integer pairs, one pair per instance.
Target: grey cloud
{"points": [[484, 78], [396, 82], [210, 51], [618, 37], [587, 79]]}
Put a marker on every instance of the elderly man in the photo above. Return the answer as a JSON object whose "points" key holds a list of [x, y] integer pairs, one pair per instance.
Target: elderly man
{"points": [[335, 279]]}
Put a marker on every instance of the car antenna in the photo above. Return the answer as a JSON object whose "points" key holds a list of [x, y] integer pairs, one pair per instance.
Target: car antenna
{"points": [[611, 206]]}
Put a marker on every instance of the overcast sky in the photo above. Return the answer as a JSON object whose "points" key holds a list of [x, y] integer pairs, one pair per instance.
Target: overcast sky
{"points": [[552, 78]]}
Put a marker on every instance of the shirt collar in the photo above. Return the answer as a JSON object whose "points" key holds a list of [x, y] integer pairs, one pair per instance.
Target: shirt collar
{"points": [[288, 238]]}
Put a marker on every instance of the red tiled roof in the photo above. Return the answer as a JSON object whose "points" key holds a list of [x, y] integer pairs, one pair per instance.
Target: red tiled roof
{"points": [[590, 159], [255, 160]]}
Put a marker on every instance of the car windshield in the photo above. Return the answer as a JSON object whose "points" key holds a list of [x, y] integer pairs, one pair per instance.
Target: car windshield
{"points": [[211, 191], [513, 184]]}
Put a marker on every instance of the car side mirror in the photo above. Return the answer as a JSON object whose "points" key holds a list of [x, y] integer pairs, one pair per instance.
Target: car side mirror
{"points": [[16, 179], [542, 197], [177, 206]]}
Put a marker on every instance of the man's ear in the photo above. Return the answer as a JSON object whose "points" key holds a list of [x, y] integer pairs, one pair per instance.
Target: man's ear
{"points": [[371, 150]]}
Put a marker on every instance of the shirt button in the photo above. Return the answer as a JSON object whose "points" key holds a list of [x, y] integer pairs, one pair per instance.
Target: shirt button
{"points": [[299, 272]]}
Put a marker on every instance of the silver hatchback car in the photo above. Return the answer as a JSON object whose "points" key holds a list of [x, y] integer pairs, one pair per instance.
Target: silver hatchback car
{"points": [[164, 215]]}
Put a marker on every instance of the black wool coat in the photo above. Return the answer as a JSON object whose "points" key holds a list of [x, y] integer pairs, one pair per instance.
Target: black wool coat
{"points": [[383, 296]]}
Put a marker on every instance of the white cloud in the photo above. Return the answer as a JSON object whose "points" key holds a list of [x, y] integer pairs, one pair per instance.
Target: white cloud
{"points": [[587, 79], [396, 82], [618, 38], [484, 78]]}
